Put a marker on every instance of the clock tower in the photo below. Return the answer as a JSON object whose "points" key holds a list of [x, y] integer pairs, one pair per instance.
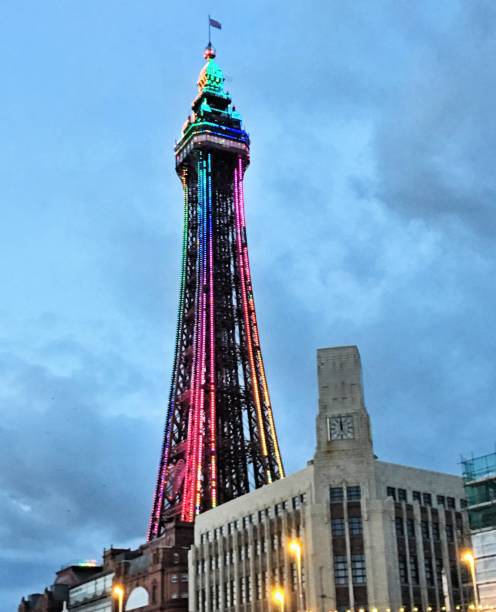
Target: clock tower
{"points": [[343, 424]]}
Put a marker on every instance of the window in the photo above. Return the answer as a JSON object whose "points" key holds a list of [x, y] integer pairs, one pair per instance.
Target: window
{"points": [[427, 499], [391, 492], [336, 494], [278, 508], [416, 496], [249, 590], [410, 528], [463, 504], [355, 523], [154, 593], [441, 500], [340, 570], [425, 530], [429, 576], [402, 495], [262, 513], [353, 493], [400, 529], [337, 527], [439, 570], [358, 572], [450, 502], [242, 592], [454, 576], [275, 542], [435, 531], [184, 577], [173, 578], [259, 589], [296, 502], [403, 570], [414, 569], [449, 533]]}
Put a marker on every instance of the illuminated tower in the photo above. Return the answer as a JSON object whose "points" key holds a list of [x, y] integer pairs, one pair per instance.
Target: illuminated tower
{"points": [[220, 440]]}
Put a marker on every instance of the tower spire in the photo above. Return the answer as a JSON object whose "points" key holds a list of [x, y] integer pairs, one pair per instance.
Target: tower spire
{"points": [[220, 439]]}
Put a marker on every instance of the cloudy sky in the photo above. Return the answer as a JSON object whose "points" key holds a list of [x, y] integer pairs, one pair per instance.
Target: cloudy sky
{"points": [[370, 209]]}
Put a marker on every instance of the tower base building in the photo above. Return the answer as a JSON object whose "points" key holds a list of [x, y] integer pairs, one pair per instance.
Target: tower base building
{"points": [[348, 532]]}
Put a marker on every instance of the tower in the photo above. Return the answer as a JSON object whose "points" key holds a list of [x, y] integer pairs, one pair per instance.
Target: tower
{"points": [[220, 440], [343, 424]]}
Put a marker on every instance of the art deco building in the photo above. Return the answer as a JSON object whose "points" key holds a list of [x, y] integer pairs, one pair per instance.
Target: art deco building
{"points": [[372, 534]]}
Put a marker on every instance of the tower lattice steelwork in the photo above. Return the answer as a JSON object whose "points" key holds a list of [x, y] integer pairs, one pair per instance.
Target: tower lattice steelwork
{"points": [[220, 440]]}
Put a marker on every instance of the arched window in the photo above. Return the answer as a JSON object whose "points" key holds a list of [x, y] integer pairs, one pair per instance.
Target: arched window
{"points": [[154, 593], [138, 598]]}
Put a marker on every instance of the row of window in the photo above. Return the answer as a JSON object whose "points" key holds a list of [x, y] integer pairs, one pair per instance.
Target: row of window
{"points": [[399, 494], [252, 519], [337, 494], [426, 532], [338, 526], [433, 569], [244, 551], [358, 570], [179, 578], [241, 591]]}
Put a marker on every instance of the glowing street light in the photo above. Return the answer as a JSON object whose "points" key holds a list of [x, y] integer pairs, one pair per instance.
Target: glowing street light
{"points": [[118, 593], [278, 598], [468, 558], [295, 549]]}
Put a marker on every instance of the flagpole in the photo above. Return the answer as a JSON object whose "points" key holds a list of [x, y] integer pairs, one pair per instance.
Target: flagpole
{"points": [[209, 41]]}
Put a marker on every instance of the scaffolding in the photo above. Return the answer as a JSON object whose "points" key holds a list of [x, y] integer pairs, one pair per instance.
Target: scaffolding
{"points": [[479, 478]]}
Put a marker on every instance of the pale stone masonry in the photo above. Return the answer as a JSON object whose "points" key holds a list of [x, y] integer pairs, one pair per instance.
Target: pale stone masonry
{"points": [[373, 534]]}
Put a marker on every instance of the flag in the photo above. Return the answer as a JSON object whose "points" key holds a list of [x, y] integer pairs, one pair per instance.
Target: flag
{"points": [[214, 23]]}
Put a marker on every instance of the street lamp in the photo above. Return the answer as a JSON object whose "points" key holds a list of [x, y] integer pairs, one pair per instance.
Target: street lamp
{"points": [[295, 549], [278, 598], [118, 593], [469, 559]]}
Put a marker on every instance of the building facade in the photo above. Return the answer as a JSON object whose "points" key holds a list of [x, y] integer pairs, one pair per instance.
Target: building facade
{"points": [[155, 578], [372, 534], [479, 477]]}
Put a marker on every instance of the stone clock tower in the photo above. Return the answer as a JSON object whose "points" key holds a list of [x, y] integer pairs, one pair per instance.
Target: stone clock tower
{"points": [[343, 425]]}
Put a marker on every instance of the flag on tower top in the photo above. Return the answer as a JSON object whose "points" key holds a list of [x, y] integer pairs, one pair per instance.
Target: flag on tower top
{"points": [[214, 23]]}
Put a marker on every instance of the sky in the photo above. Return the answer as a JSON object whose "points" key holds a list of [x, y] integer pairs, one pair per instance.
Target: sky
{"points": [[370, 211]]}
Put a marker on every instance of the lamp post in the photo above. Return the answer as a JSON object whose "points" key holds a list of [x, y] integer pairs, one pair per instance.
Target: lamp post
{"points": [[118, 593], [469, 559], [295, 549], [278, 598]]}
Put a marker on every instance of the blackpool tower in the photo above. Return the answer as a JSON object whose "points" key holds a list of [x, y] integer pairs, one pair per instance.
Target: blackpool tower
{"points": [[220, 439]]}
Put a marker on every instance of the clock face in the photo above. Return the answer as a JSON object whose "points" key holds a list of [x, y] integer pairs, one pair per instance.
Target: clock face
{"points": [[340, 427]]}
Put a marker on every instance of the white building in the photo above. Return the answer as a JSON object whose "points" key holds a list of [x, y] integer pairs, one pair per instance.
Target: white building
{"points": [[372, 534]]}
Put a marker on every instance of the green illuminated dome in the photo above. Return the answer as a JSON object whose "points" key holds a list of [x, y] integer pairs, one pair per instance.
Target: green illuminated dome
{"points": [[211, 79]]}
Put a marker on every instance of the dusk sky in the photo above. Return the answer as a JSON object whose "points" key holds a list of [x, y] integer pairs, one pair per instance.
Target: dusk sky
{"points": [[371, 220]]}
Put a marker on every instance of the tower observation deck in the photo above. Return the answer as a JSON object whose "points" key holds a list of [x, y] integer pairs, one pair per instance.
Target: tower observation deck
{"points": [[220, 439]]}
